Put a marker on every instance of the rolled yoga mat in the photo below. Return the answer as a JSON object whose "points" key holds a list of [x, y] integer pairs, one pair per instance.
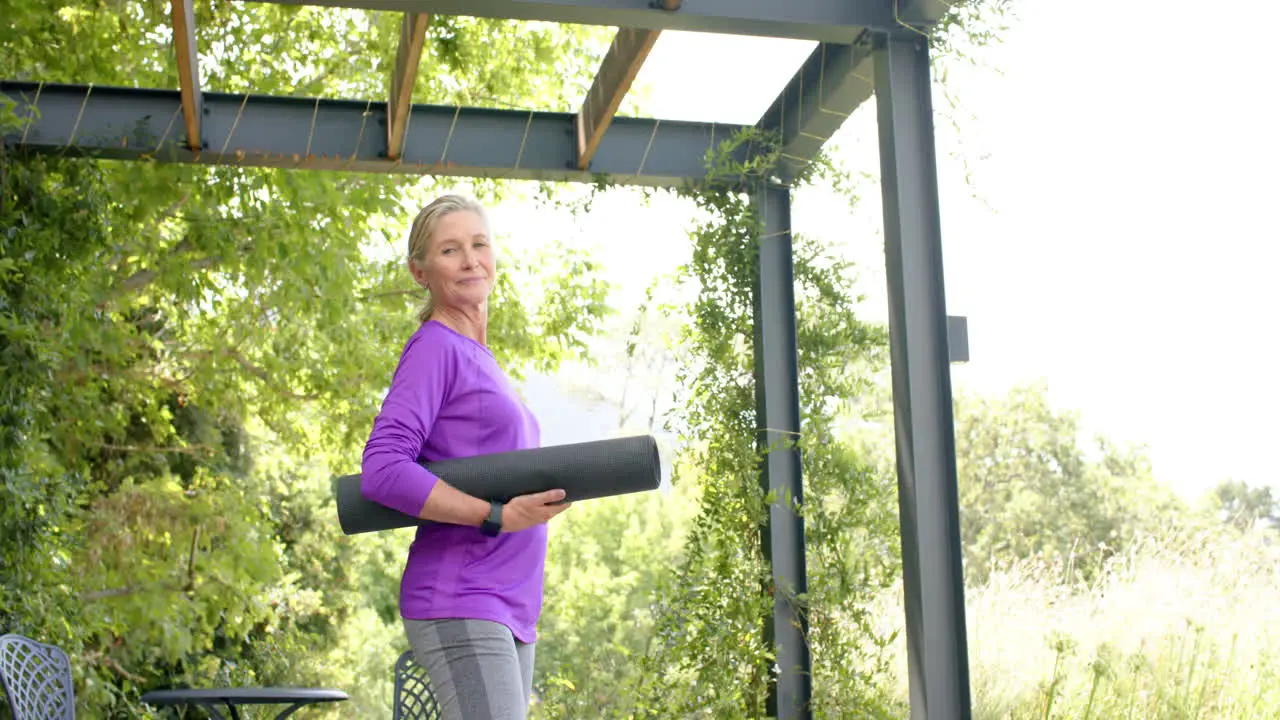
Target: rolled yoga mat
{"points": [[587, 470]]}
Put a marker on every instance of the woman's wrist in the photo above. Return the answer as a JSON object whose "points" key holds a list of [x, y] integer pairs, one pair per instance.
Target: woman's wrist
{"points": [[494, 522]]}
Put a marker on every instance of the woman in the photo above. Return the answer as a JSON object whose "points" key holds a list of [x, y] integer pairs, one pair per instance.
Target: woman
{"points": [[471, 591]]}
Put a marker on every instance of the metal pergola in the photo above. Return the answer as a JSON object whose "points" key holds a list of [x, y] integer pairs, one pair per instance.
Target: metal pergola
{"points": [[865, 47]]}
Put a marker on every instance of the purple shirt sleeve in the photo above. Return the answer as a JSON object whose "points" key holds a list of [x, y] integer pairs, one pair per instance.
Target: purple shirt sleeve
{"points": [[390, 473]]}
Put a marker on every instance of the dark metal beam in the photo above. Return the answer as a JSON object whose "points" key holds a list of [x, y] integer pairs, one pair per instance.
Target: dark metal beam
{"points": [[837, 21], [778, 417], [617, 71], [921, 14], [832, 83], [937, 645], [824, 92], [322, 134], [413, 33], [184, 46]]}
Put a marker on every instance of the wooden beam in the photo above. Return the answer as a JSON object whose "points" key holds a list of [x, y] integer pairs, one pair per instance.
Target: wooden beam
{"points": [[617, 72], [184, 45], [413, 33]]}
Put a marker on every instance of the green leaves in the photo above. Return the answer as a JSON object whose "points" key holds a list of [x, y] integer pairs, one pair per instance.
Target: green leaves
{"points": [[605, 561], [545, 308], [1245, 506], [1032, 488], [189, 353], [708, 656]]}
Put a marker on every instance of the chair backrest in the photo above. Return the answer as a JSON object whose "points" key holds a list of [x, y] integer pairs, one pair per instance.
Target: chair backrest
{"points": [[413, 697], [37, 679]]}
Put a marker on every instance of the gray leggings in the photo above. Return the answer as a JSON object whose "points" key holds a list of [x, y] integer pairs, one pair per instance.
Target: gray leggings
{"points": [[477, 669]]}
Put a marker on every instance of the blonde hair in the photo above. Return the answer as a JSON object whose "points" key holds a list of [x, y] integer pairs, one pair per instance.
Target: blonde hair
{"points": [[424, 227]]}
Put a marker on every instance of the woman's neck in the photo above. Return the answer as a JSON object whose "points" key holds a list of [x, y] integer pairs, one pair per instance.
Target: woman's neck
{"points": [[468, 322]]}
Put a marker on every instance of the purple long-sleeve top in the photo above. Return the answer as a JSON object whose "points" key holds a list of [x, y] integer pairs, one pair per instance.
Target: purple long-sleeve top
{"points": [[449, 399]]}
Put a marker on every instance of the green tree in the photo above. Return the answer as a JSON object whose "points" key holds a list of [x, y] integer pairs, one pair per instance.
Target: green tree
{"points": [[631, 366], [606, 560], [1031, 485], [708, 656], [1244, 506], [189, 353]]}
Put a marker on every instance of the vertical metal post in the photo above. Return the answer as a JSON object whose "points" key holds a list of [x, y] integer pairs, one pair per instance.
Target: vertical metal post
{"points": [[927, 494], [778, 417]]}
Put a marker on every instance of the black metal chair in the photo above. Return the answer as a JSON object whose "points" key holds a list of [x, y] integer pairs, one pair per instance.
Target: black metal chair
{"points": [[413, 697], [37, 680]]}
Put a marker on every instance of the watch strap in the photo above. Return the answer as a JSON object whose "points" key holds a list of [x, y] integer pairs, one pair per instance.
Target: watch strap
{"points": [[492, 525]]}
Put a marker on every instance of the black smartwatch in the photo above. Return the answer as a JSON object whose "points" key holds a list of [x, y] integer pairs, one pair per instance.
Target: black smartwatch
{"points": [[492, 526]]}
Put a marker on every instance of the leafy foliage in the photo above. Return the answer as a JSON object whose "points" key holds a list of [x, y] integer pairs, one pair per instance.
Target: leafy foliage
{"points": [[1244, 506], [1032, 486], [189, 353], [606, 560], [1030, 489], [709, 656]]}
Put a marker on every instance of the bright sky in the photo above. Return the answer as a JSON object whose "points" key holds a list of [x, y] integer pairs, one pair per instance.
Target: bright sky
{"points": [[1123, 246]]}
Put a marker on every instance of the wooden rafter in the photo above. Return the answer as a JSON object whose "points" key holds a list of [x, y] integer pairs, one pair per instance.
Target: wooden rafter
{"points": [[413, 33], [618, 70], [184, 45]]}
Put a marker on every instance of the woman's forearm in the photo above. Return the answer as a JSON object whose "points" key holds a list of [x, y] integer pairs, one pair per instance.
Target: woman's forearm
{"points": [[447, 504]]}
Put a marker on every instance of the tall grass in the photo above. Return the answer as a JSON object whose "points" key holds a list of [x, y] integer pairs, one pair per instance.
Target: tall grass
{"points": [[1180, 627]]}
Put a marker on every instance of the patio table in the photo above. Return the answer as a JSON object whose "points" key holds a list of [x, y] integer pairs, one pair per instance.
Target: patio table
{"points": [[209, 698]]}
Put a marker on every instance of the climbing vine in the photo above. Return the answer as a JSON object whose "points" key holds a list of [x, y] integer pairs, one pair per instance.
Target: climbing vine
{"points": [[709, 656]]}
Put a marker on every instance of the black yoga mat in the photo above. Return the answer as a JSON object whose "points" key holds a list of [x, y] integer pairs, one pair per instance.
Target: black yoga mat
{"points": [[587, 470]]}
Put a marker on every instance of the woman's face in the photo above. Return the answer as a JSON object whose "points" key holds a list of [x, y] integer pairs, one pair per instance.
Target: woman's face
{"points": [[459, 266]]}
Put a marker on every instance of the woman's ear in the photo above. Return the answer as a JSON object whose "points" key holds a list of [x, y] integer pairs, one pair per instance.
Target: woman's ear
{"points": [[418, 272]]}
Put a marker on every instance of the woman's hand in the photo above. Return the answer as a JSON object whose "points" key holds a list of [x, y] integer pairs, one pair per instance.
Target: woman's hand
{"points": [[525, 511]]}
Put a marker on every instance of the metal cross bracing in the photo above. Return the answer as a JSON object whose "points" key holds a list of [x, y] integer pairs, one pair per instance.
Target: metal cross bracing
{"points": [[864, 48]]}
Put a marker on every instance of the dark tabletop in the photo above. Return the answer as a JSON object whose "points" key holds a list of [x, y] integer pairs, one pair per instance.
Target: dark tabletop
{"points": [[243, 696]]}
